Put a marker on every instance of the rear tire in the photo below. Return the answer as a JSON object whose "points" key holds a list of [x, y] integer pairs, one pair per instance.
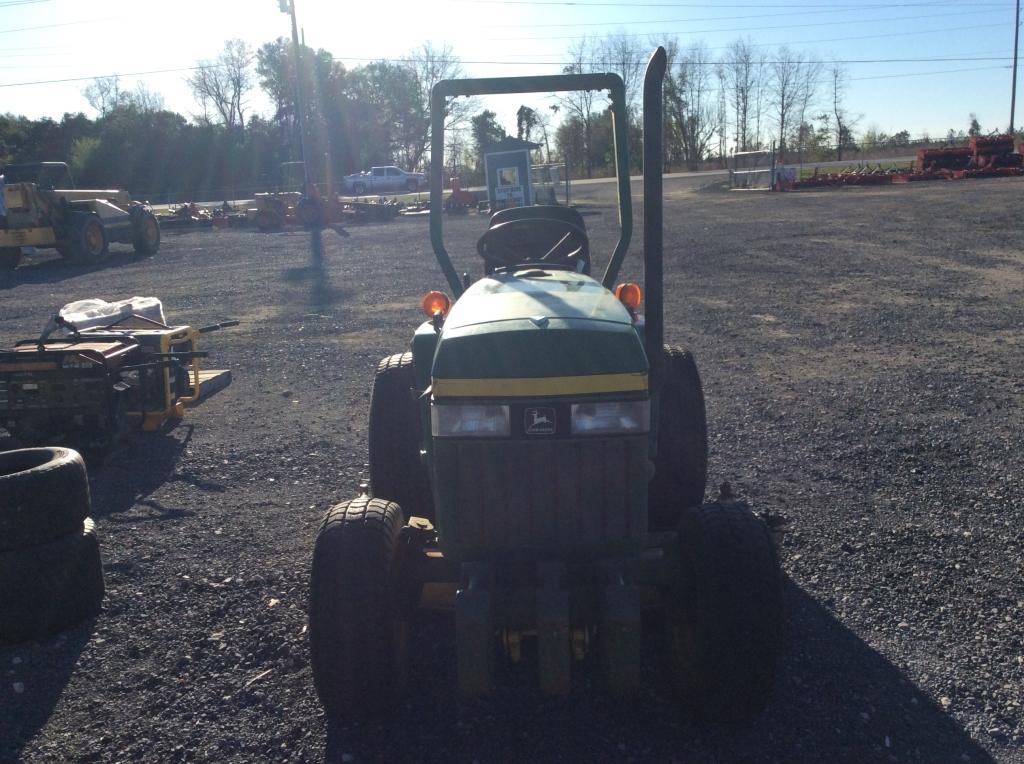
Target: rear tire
{"points": [[88, 240], [145, 233], [412, 186], [356, 628], [725, 618], [359, 188], [9, 258], [44, 494], [681, 465], [49, 587], [396, 470]]}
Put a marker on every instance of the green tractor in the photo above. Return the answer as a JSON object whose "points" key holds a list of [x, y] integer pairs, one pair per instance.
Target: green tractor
{"points": [[537, 466]]}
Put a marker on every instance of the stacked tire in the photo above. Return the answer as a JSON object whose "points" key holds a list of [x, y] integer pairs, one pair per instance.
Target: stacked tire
{"points": [[51, 574]]}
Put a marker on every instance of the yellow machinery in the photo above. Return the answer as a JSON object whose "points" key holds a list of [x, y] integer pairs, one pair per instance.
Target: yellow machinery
{"points": [[93, 388], [42, 208]]}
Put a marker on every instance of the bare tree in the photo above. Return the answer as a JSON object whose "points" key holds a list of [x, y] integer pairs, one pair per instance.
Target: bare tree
{"points": [[104, 94], [740, 70], [143, 99], [722, 114], [691, 102], [431, 64], [844, 121], [762, 79], [579, 104], [544, 125], [808, 85], [225, 82], [627, 57], [787, 89]]}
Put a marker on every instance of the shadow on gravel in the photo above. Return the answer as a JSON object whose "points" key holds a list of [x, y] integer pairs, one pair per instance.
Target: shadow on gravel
{"points": [[41, 670], [321, 293], [837, 700], [130, 474], [53, 270]]}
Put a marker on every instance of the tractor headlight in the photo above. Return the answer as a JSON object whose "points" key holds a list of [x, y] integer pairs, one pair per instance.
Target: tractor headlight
{"points": [[470, 420], [611, 417]]}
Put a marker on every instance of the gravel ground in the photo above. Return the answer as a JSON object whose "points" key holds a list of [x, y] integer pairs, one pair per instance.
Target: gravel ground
{"points": [[861, 354]]}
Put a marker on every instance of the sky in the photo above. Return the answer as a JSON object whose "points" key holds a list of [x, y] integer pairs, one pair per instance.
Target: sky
{"points": [[963, 50]]}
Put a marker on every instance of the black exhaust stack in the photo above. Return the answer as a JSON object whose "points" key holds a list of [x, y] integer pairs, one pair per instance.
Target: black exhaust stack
{"points": [[654, 327]]}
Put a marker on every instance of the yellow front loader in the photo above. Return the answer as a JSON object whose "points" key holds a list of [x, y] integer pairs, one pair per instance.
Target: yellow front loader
{"points": [[42, 209]]}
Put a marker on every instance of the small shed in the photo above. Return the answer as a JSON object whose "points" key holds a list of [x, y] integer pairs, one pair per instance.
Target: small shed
{"points": [[507, 164]]}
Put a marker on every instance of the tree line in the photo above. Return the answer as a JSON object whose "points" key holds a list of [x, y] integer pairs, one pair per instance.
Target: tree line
{"points": [[745, 99]]}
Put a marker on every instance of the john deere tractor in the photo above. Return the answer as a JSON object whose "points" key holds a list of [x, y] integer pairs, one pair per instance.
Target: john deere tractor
{"points": [[537, 465], [44, 209]]}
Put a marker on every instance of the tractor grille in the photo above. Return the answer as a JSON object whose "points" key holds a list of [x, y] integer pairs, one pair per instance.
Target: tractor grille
{"points": [[541, 495]]}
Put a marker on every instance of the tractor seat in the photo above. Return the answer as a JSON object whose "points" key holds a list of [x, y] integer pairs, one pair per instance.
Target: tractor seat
{"points": [[549, 234]]}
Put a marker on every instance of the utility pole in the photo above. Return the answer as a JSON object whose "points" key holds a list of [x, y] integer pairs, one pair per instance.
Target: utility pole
{"points": [[1013, 92], [288, 6]]}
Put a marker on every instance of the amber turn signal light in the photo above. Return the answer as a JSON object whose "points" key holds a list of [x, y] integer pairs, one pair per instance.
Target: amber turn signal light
{"points": [[629, 294], [436, 303]]}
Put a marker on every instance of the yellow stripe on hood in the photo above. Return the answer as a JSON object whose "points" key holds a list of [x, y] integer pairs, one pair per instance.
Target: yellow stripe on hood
{"points": [[540, 386]]}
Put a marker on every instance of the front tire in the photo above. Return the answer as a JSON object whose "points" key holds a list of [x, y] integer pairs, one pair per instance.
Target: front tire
{"points": [[396, 471], [725, 618], [145, 233], [88, 240], [356, 628], [681, 464]]}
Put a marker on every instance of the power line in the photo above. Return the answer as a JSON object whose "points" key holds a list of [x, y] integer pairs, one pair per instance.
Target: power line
{"points": [[923, 74], [550, 63], [4, 52], [61, 24], [690, 20], [875, 36], [719, 5], [101, 76], [946, 59], [740, 29]]}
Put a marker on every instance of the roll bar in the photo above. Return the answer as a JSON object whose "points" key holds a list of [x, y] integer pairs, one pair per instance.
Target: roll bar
{"points": [[545, 84]]}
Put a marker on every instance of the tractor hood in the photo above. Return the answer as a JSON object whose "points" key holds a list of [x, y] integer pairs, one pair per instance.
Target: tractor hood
{"points": [[538, 333]]}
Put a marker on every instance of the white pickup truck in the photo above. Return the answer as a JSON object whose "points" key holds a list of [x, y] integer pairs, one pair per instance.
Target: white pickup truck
{"points": [[382, 180]]}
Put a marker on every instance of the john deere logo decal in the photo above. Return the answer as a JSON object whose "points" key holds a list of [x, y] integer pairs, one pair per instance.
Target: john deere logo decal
{"points": [[539, 421]]}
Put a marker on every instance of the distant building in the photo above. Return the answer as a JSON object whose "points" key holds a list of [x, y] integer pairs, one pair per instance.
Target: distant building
{"points": [[507, 164]]}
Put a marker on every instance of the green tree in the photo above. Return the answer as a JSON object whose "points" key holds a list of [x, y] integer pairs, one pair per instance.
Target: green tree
{"points": [[485, 130], [400, 120], [526, 122], [975, 129]]}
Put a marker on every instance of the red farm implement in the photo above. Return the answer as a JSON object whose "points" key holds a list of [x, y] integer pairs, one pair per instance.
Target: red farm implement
{"points": [[988, 156]]}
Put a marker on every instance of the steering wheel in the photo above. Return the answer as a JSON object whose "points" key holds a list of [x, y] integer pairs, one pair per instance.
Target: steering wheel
{"points": [[535, 240]]}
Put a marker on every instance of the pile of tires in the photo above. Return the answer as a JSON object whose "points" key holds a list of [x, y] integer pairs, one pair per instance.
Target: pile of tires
{"points": [[51, 574]]}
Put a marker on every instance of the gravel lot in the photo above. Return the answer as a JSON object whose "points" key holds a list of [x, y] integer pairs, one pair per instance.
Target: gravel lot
{"points": [[861, 353]]}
